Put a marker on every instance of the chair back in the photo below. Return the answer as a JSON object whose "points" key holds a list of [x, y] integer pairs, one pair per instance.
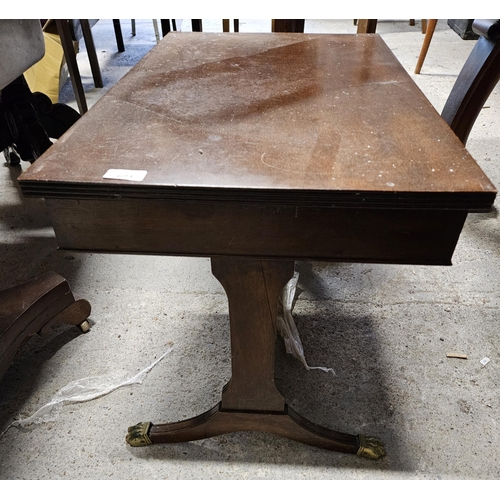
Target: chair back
{"points": [[476, 81]]}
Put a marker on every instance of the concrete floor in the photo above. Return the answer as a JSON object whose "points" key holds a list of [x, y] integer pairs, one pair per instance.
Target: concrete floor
{"points": [[384, 329]]}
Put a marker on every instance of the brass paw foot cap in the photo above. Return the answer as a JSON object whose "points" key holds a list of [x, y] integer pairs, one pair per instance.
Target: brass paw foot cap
{"points": [[138, 435], [370, 447]]}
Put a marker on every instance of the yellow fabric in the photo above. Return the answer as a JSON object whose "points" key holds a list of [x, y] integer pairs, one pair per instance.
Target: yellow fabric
{"points": [[50, 73]]}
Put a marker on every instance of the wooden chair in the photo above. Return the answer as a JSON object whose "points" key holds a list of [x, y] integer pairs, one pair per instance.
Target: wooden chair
{"points": [[64, 30], [70, 30], [370, 25], [278, 25], [38, 304], [476, 81], [155, 27], [34, 307], [462, 27], [196, 25], [225, 25]]}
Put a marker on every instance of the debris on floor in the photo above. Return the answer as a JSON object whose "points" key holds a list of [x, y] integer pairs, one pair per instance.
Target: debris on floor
{"points": [[85, 389], [485, 361], [457, 355]]}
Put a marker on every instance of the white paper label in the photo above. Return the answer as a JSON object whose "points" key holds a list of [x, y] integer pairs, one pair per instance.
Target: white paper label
{"points": [[125, 175]]}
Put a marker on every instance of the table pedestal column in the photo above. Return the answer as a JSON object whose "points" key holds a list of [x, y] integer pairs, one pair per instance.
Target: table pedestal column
{"points": [[251, 401]]}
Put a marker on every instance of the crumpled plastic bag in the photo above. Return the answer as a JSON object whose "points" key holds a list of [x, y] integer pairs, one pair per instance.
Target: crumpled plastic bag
{"points": [[85, 389], [287, 328]]}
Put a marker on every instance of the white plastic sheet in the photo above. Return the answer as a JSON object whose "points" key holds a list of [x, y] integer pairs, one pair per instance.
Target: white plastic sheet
{"points": [[85, 389], [89, 388], [287, 328]]}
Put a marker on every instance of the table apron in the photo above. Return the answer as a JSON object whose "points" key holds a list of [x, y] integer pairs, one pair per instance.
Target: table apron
{"points": [[400, 236]]}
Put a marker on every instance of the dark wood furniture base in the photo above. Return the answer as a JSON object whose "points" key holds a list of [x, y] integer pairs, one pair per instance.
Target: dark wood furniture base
{"points": [[251, 401], [34, 307], [287, 424]]}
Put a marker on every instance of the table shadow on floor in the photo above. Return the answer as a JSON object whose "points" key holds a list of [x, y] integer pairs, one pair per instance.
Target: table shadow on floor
{"points": [[353, 401]]}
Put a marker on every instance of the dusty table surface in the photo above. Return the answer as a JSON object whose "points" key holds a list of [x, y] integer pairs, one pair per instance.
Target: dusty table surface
{"points": [[281, 118]]}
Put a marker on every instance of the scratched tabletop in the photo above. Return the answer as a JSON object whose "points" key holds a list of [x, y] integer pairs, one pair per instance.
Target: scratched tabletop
{"points": [[278, 118]]}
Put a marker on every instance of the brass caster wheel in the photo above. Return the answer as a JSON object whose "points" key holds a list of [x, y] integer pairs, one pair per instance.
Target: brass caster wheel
{"points": [[84, 327]]}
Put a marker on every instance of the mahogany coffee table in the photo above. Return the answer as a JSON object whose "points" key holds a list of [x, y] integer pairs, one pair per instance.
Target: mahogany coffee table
{"points": [[258, 150]]}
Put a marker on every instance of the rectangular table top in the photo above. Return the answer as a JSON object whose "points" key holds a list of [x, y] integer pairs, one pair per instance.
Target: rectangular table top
{"points": [[294, 119]]}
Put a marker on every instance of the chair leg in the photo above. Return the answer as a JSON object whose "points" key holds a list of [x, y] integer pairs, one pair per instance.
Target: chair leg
{"points": [[155, 27], [288, 25], [165, 26], [133, 26], [225, 25], [70, 56], [91, 52], [196, 25], [118, 34], [367, 25], [425, 47]]}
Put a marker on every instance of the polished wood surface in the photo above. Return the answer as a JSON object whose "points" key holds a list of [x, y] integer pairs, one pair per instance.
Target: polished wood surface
{"points": [[258, 150], [260, 142], [284, 118]]}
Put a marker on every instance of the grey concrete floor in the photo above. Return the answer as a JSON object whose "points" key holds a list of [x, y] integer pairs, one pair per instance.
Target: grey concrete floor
{"points": [[384, 329]]}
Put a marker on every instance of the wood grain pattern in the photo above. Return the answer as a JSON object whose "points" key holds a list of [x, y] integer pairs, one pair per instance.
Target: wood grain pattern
{"points": [[253, 288], [210, 229], [285, 115], [261, 150]]}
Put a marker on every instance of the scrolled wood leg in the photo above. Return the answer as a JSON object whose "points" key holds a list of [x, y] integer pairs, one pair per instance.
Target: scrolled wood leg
{"points": [[287, 424], [75, 314], [34, 307]]}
